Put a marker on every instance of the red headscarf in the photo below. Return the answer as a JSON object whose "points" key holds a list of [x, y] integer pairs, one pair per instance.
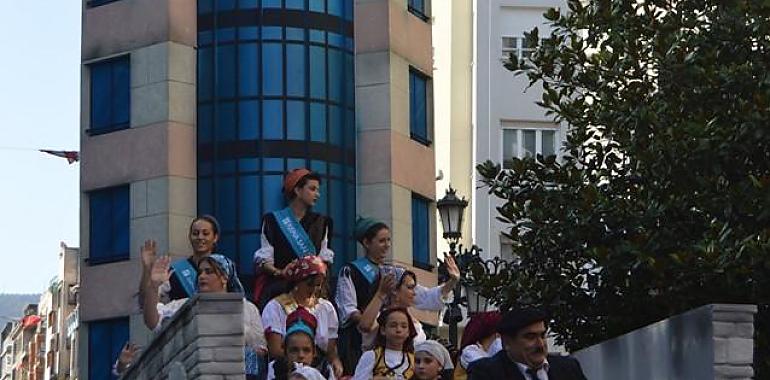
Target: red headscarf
{"points": [[292, 178], [305, 267], [479, 327], [301, 320]]}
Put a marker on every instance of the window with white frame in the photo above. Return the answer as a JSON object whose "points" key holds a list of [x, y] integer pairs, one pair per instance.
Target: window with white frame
{"points": [[523, 142], [519, 47]]}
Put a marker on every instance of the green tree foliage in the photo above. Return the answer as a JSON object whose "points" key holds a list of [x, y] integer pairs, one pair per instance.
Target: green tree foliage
{"points": [[661, 201]]}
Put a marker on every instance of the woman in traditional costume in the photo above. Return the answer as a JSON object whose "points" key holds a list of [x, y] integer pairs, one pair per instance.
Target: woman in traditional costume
{"points": [[290, 234], [306, 278], [216, 274], [183, 282]]}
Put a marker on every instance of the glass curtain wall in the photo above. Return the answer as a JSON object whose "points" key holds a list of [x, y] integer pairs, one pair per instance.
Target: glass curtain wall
{"points": [[275, 92]]}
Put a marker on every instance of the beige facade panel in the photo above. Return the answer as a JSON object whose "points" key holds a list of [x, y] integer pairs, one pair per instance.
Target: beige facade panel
{"points": [[374, 149], [413, 165], [376, 35], [130, 24], [137, 154], [103, 292], [410, 37]]}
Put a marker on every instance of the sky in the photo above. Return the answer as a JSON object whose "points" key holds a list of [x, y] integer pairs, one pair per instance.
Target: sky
{"points": [[39, 109]]}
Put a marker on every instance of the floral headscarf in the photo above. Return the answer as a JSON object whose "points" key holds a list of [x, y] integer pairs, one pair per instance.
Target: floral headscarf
{"points": [[227, 267], [305, 267]]}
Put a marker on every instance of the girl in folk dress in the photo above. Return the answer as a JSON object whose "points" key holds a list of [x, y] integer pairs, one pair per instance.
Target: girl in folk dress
{"points": [[393, 353], [480, 340], [432, 361], [301, 352], [306, 277]]}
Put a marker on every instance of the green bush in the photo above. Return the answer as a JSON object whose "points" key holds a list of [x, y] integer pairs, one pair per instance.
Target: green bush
{"points": [[660, 201]]}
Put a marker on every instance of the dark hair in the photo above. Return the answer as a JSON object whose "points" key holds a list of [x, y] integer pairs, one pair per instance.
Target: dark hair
{"points": [[282, 368], [302, 182], [382, 320], [373, 231], [207, 218], [403, 277], [208, 259]]}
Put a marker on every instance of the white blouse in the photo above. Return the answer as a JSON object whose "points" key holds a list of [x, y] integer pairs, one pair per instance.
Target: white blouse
{"points": [[271, 372], [428, 299], [274, 319], [474, 352], [266, 252], [365, 367], [253, 331]]}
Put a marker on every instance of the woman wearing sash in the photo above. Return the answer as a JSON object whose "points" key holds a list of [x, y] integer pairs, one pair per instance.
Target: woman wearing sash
{"points": [[359, 281], [183, 282], [404, 295], [306, 277], [289, 234]]}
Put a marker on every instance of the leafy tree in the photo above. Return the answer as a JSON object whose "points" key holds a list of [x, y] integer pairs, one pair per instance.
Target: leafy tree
{"points": [[661, 200]]}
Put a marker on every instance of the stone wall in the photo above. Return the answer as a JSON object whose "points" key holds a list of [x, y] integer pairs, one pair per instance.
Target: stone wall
{"points": [[710, 342], [203, 341]]}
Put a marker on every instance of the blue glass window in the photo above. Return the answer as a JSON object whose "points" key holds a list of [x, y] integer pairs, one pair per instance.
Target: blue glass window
{"points": [[248, 33], [223, 5], [248, 244], [226, 71], [336, 8], [226, 206], [317, 72], [248, 120], [110, 95], [295, 4], [271, 3], [418, 107], [271, 33], [318, 122], [272, 120], [205, 6], [247, 4], [336, 125], [105, 341], [205, 65], [295, 34], [273, 164], [204, 124], [225, 34], [205, 198], [417, 7], [272, 196], [109, 224], [318, 6], [226, 118], [317, 36], [295, 70], [420, 231], [249, 196], [295, 120], [248, 69], [272, 69], [336, 75]]}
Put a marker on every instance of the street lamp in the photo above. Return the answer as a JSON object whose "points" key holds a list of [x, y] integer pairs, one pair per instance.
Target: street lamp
{"points": [[451, 210]]}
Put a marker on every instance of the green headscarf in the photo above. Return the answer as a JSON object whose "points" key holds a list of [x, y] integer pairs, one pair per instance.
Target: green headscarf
{"points": [[363, 225]]}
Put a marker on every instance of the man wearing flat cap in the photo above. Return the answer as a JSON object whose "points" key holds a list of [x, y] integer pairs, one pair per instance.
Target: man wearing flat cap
{"points": [[525, 352]]}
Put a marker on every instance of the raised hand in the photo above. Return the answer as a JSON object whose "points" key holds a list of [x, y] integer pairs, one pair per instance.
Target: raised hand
{"points": [[127, 355], [160, 270], [149, 253], [451, 266], [387, 284]]}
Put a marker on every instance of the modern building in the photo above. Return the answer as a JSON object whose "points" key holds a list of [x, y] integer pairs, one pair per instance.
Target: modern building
{"points": [[201, 107], [486, 112], [57, 303], [7, 355]]}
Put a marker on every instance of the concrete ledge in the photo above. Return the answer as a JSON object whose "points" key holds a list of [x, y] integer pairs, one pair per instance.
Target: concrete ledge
{"points": [[203, 340]]}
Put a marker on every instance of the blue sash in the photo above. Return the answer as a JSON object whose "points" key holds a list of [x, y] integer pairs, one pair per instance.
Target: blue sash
{"points": [[367, 268], [187, 276], [294, 233]]}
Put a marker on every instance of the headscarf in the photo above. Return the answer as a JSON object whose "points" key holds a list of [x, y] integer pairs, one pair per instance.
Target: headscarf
{"points": [[438, 351], [479, 327], [292, 178], [308, 372], [301, 320], [398, 275], [305, 267], [363, 225], [227, 267]]}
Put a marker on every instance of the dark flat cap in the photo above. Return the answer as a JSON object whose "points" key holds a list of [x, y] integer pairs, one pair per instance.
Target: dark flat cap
{"points": [[518, 318]]}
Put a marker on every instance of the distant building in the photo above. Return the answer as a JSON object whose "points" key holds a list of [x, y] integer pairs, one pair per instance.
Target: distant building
{"points": [[6, 355], [193, 107]]}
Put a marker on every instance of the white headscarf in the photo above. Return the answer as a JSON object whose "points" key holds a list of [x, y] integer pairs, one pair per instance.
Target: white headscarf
{"points": [[308, 372], [438, 351]]}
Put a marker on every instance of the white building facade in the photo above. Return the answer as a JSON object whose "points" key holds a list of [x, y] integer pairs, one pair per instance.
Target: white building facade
{"points": [[506, 121]]}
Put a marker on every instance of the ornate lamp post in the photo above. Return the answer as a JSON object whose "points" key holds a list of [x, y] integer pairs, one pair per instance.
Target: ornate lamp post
{"points": [[451, 210]]}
